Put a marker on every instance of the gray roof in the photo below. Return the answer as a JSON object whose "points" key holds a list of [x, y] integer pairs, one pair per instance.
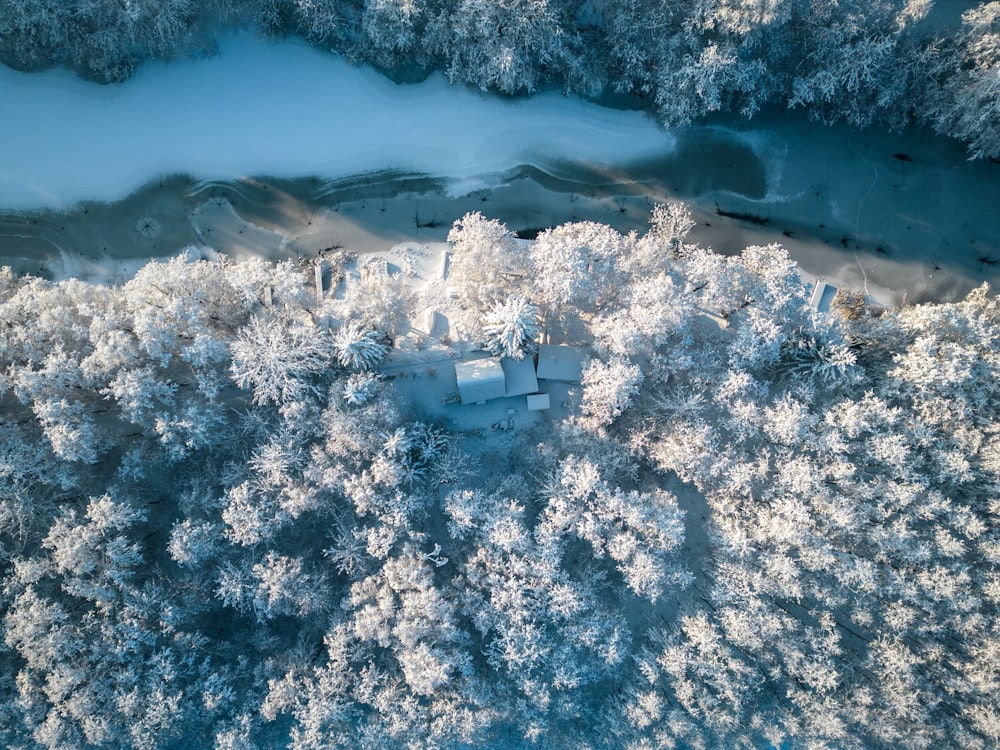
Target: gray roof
{"points": [[519, 375], [562, 363], [479, 380]]}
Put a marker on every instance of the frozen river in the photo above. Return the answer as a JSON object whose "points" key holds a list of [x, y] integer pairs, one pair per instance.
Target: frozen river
{"points": [[282, 109]]}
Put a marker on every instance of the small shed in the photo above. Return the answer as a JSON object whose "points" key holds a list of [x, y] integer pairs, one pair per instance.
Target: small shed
{"points": [[519, 375], [479, 380], [538, 402], [560, 363], [822, 296], [320, 272]]}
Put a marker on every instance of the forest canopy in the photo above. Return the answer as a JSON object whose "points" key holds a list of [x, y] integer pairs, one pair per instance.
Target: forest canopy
{"points": [[890, 63], [226, 522]]}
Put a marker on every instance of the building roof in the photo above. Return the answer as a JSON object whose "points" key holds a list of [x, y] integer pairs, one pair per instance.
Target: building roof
{"points": [[562, 363], [479, 380], [822, 296], [538, 402], [519, 375]]}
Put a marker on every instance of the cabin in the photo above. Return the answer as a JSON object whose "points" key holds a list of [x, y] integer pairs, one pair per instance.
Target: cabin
{"points": [[480, 380]]}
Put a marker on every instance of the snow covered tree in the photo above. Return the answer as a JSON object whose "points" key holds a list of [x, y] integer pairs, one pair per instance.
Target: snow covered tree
{"points": [[278, 358], [394, 670], [173, 302], [378, 301], [576, 264], [761, 296], [487, 261], [392, 29], [288, 283], [357, 348], [655, 312], [360, 388], [510, 328], [948, 359], [70, 430], [969, 108], [608, 390], [546, 634], [508, 46], [101, 652], [700, 80], [285, 588], [140, 392], [669, 225], [641, 532], [321, 21], [193, 543]]}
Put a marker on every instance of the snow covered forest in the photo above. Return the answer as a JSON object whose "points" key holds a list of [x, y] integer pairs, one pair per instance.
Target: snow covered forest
{"points": [[891, 63], [243, 507], [224, 523]]}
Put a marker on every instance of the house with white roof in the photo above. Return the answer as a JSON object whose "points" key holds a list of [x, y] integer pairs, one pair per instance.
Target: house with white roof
{"points": [[480, 380]]}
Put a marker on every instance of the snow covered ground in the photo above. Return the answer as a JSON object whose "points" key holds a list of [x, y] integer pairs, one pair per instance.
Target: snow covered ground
{"points": [[284, 151]]}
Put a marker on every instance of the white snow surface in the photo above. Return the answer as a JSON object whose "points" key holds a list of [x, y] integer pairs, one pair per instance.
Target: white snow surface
{"points": [[282, 109]]}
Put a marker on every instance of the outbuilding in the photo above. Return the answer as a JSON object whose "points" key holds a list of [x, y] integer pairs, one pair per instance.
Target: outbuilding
{"points": [[560, 363], [822, 296], [538, 402]]}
